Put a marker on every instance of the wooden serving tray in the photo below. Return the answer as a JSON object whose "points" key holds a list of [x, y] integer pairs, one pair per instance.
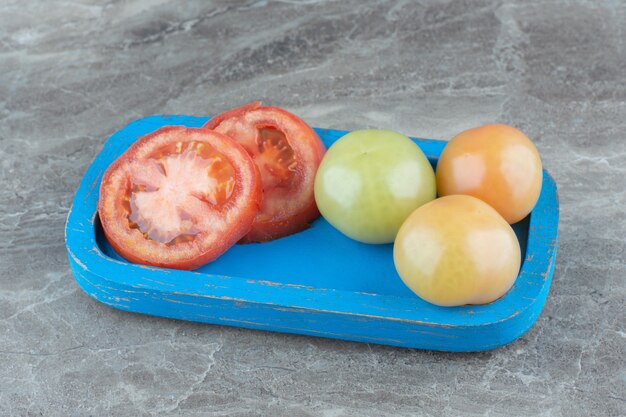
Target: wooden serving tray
{"points": [[317, 282]]}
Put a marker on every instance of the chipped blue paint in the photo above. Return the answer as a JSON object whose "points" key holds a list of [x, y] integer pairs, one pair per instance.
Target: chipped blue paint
{"points": [[317, 282]]}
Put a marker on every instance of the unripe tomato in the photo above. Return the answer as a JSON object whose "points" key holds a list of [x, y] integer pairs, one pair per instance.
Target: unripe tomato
{"points": [[457, 250], [370, 181], [496, 163]]}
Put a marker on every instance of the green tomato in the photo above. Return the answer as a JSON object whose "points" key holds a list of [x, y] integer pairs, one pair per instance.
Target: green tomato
{"points": [[370, 181]]}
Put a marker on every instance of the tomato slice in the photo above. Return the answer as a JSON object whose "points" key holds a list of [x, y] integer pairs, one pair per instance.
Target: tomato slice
{"points": [[179, 198], [287, 152]]}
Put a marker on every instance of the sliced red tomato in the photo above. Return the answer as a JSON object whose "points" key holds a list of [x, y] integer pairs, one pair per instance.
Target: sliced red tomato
{"points": [[179, 198], [287, 152]]}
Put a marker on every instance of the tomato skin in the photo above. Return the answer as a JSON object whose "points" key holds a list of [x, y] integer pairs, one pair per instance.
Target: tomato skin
{"points": [[233, 219], [237, 112], [289, 205], [266, 231], [457, 250], [496, 163], [370, 181]]}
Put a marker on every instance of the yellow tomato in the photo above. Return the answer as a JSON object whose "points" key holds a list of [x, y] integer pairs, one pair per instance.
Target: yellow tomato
{"points": [[457, 250], [496, 163]]}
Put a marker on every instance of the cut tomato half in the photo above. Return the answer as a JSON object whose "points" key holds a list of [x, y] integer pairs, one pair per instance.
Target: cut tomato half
{"points": [[287, 152], [179, 198]]}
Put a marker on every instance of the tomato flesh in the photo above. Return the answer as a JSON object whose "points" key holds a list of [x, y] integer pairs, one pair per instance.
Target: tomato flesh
{"points": [[287, 153], [179, 198], [275, 158], [165, 204]]}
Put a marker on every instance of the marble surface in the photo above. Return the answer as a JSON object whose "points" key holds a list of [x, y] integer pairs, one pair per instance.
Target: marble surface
{"points": [[72, 72]]}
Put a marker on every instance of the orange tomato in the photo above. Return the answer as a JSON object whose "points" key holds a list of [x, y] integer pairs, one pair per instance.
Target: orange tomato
{"points": [[457, 250], [496, 163]]}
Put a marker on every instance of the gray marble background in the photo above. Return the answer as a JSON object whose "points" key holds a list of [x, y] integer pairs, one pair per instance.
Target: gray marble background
{"points": [[73, 72]]}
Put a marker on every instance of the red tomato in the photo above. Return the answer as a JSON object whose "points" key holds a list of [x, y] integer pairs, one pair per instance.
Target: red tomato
{"points": [[287, 152], [179, 198]]}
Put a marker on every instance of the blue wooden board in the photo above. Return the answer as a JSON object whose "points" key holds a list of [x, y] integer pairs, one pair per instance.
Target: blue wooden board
{"points": [[317, 282]]}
